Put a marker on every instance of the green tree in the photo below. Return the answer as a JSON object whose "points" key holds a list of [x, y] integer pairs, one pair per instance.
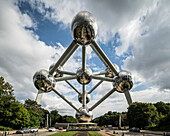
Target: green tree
{"points": [[162, 108], [142, 115], [34, 118], [12, 113], [42, 113], [164, 123], [67, 119], [54, 117]]}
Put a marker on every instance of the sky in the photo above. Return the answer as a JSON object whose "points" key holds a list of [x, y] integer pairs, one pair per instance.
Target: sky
{"points": [[133, 34]]}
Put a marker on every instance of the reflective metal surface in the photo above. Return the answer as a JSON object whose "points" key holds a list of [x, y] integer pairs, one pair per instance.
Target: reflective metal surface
{"points": [[57, 72], [84, 27], [123, 82], [84, 115], [84, 77], [110, 73], [84, 31], [80, 98], [43, 81]]}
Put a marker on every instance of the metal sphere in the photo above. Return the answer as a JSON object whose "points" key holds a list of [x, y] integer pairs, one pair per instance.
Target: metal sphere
{"points": [[42, 81], [123, 82], [84, 77], [80, 98], [84, 115], [110, 73], [57, 72], [84, 27]]}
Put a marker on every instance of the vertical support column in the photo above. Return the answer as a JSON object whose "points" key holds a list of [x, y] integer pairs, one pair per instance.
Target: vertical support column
{"points": [[83, 57], [119, 121], [47, 121], [84, 96]]}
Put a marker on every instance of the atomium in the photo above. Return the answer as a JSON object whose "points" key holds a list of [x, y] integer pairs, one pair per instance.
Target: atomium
{"points": [[84, 31]]}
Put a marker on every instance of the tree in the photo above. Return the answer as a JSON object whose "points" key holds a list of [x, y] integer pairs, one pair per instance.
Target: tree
{"points": [[54, 117], [67, 119], [142, 115], [164, 123], [40, 111], [162, 108], [12, 113], [34, 117]]}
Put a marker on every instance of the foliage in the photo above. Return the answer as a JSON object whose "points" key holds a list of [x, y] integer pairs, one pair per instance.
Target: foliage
{"points": [[70, 133], [164, 123], [5, 128], [142, 115], [34, 118], [110, 118], [67, 119], [54, 117], [162, 108], [36, 108], [13, 114]]}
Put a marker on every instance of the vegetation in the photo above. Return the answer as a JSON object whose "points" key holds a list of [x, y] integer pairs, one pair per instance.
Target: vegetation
{"points": [[111, 118], [5, 128], [94, 133], [143, 115], [14, 115], [70, 133]]}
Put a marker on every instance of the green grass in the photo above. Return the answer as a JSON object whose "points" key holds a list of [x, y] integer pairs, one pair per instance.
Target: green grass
{"points": [[5, 128], [94, 133], [70, 133]]}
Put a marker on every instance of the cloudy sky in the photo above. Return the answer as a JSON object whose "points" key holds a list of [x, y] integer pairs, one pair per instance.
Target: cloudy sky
{"points": [[133, 34]]}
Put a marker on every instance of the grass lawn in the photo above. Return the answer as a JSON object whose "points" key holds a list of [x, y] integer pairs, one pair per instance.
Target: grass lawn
{"points": [[70, 133], [94, 133]]}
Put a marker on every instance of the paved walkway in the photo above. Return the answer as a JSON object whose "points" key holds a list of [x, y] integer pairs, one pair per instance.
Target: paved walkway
{"points": [[82, 133]]}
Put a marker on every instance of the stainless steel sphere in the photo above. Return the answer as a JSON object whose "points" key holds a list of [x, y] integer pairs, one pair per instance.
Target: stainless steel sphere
{"points": [[42, 81], [84, 115], [123, 82], [84, 77], [80, 97], [84, 27], [110, 73], [57, 72]]}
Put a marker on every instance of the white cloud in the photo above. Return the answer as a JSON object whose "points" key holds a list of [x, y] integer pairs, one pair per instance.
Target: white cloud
{"points": [[142, 25]]}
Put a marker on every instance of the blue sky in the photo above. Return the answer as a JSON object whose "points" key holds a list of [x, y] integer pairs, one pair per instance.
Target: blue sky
{"points": [[134, 35]]}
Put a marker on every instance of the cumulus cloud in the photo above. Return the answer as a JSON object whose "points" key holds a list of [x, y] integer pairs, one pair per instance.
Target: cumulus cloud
{"points": [[143, 27], [150, 47]]}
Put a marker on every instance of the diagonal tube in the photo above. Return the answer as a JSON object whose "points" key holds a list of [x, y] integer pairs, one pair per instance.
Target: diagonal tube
{"points": [[102, 56], [73, 87], [39, 96], [102, 99], [58, 93], [95, 87], [66, 55], [128, 97]]}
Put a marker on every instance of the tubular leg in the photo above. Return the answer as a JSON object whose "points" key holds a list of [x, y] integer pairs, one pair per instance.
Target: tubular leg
{"points": [[65, 99], [102, 56], [102, 99]]}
